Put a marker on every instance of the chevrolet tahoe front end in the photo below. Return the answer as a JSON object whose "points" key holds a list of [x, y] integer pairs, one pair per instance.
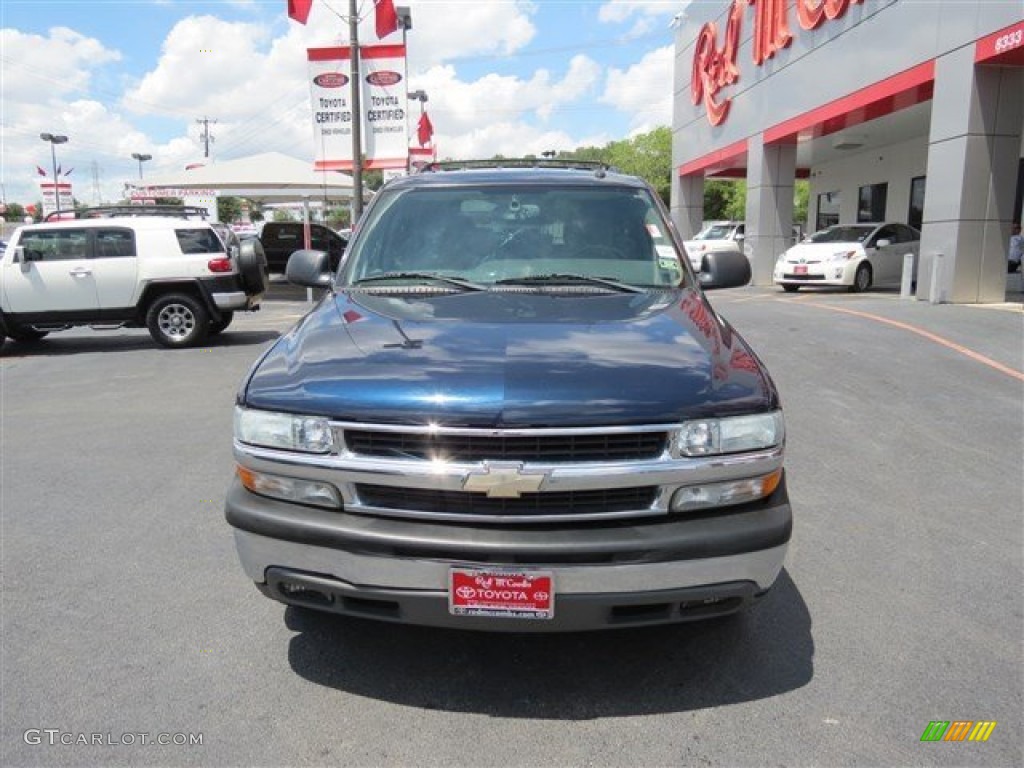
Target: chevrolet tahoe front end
{"points": [[512, 456]]}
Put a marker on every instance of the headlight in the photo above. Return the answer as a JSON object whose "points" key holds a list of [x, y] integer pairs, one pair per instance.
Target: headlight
{"points": [[290, 432], [735, 434], [843, 255]]}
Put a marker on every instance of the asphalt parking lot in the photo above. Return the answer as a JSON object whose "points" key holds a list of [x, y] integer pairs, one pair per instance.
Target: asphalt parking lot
{"points": [[125, 610]]}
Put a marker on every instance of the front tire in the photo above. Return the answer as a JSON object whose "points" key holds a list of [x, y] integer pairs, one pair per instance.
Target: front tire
{"points": [[861, 279], [790, 288], [177, 320]]}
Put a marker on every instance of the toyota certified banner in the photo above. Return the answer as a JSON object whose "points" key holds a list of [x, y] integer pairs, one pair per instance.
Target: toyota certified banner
{"points": [[383, 99], [67, 200]]}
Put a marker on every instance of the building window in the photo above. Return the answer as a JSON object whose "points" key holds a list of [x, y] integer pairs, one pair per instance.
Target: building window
{"points": [[871, 202], [828, 210], [915, 216]]}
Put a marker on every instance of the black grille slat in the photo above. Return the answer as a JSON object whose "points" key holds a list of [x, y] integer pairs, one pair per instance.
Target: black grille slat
{"points": [[623, 446], [592, 502]]}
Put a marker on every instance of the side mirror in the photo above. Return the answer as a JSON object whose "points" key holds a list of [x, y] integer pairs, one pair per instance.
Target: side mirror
{"points": [[19, 255], [882, 243], [724, 269], [740, 237], [309, 269]]}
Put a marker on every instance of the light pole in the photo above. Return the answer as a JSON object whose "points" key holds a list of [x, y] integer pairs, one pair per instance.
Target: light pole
{"points": [[53, 139], [141, 158]]}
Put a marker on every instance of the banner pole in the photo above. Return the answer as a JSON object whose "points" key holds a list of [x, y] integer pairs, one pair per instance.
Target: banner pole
{"points": [[357, 116]]}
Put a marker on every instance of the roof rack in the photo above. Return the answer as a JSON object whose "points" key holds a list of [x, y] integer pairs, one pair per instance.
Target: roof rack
{"points": [[516, 162], [150, 209]]}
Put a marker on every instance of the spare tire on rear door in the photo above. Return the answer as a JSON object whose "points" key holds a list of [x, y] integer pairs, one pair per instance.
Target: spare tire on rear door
{"points": [[252, 264]]}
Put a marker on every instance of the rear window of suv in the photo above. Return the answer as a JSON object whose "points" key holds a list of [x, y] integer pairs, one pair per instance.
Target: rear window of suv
{"points": [[200, 240]]}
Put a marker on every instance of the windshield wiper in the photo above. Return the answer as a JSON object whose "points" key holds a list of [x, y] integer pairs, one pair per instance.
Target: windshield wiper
{"points": [[458, 282], [564, 278]]}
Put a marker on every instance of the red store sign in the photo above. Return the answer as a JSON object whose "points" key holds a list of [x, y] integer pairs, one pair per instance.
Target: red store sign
{"points": [[715, 68]]}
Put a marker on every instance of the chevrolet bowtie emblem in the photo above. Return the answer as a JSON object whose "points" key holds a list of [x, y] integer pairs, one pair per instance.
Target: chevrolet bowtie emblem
{"points": [[503, 482]]}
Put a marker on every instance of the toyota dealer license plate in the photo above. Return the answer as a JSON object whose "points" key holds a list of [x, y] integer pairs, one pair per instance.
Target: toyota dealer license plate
{"points": [[505, 594], [800, 269]]}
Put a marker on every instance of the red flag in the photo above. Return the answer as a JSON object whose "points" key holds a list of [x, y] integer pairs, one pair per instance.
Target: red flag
{"points": [[385, 17], [40, 171], [424, 130], [299, 10]]}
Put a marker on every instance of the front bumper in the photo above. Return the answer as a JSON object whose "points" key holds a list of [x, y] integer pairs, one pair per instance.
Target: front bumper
{"points": [[612, 574], [827, 273]]}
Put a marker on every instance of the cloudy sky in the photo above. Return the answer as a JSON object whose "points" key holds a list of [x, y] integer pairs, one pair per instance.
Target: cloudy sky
{"points": [[124, 76]]}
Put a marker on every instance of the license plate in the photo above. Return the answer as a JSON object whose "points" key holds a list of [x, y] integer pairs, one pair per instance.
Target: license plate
{"points": [[800, 269], [524, 594]]}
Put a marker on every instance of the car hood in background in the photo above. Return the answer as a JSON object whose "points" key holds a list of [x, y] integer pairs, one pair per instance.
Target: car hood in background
{"points": [[814, 252], [512, 359]]}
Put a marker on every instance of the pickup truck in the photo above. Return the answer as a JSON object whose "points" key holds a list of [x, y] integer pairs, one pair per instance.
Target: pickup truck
{"points": [[513, 409], [280, 239]]}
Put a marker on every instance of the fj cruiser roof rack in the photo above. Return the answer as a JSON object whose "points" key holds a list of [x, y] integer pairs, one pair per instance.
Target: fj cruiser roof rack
{"points": [[517, 162], [149, 209]]}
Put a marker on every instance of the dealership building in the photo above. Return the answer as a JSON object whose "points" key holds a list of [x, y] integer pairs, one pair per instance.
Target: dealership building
{"points": [[894, 110]]}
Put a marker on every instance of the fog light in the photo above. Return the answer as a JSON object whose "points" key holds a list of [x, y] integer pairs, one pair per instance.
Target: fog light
{"points": [[725, 494], [290, 489]]}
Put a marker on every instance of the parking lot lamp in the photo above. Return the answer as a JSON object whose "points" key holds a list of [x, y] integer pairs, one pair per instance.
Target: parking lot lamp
{"points": [[54, 139], [141, 158]]}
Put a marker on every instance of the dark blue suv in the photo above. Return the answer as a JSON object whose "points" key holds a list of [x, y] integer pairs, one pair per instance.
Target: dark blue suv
{"points": [[513, 410]]}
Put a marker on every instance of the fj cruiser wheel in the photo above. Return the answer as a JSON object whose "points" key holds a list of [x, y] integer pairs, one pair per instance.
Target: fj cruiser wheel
{"points": [[252, 264], [177, 320], [862, 279], [216, 326]]}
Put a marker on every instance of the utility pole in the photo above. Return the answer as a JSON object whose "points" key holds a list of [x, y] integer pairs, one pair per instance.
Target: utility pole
{"points": [[357, 116], [205, 136], [96, 197]]}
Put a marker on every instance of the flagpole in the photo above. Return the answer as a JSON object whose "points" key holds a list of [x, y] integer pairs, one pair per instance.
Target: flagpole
{"points": [[357, 116]]}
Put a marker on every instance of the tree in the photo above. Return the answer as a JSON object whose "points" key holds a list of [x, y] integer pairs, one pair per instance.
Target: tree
{"points": [[647, 155], [14, 212], [229, 209], [339, 218], [801, 196], [373, 179]]}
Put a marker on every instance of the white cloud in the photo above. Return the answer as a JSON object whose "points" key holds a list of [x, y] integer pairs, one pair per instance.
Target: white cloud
{"points": [[616, 11], [467, 113], [252, 78], [38, 67], [644, 90], [446, 31]]}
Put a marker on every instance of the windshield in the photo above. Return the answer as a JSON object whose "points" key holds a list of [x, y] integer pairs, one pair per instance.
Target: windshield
{"points": [[842, 234], [715, 232], [496, 235]]}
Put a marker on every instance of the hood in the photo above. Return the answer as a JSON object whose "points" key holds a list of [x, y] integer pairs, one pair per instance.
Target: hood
{"points": [[817, 252], [511, 359]]}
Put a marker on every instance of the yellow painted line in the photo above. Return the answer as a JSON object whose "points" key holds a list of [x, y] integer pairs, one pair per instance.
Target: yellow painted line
{"points": [[965, 351]]}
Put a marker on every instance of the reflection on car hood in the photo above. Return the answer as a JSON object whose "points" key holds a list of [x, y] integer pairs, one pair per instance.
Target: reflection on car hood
{"points": [[512, 359], [818, 251]]}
